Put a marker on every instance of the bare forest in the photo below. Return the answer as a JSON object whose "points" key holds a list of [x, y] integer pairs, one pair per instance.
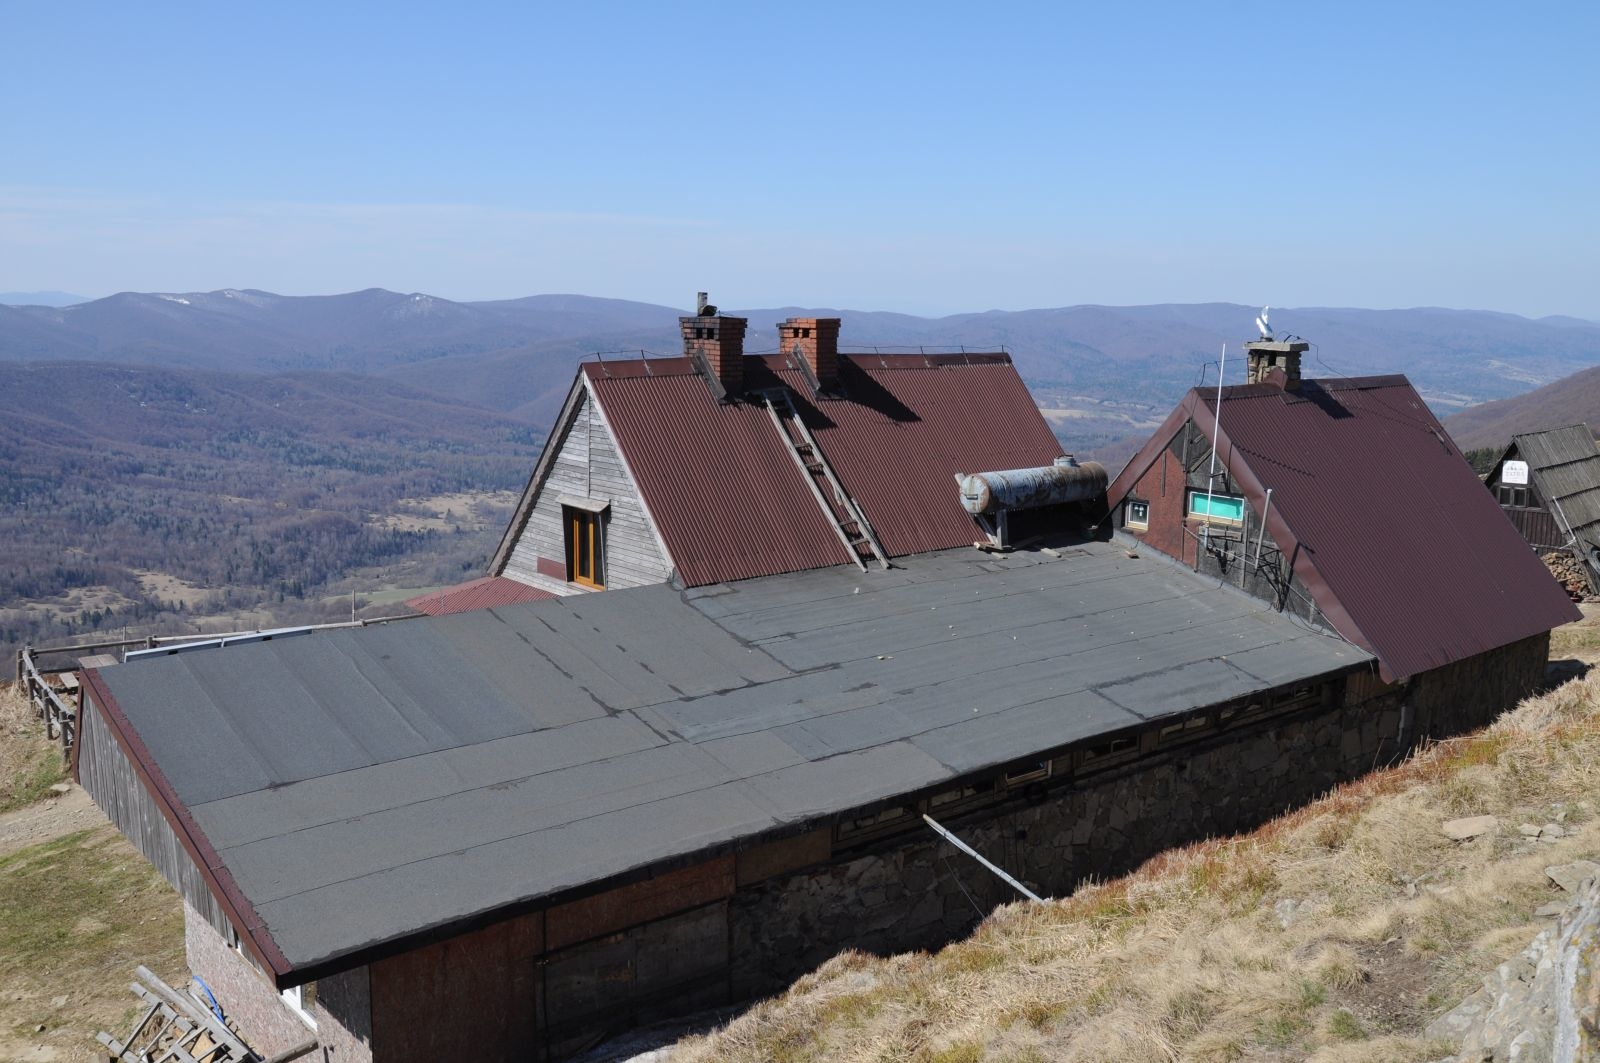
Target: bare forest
{"points": [[144, 501]]}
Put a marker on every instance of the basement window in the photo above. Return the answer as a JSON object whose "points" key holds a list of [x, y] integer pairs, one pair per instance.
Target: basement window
{"points": [[299, 1000], [1216, 509], [1136, 515], [1023, 777]]}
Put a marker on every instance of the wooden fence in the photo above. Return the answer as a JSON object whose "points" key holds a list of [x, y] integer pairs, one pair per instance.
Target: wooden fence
{"points": [[56, 705], [48, 674]]}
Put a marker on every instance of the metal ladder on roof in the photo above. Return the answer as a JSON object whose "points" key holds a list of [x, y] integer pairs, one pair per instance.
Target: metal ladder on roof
{"points": [[842, 511]]}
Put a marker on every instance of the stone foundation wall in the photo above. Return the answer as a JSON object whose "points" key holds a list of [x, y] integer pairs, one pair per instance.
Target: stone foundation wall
{"points": [[1471, 693], [917, 891], [255, 1010]]}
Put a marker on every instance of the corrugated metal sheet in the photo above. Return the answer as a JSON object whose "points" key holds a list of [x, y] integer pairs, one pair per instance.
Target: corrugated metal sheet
{"points": [[910, 424], [1566, 469], [1389, 517], [723, 490], [731, 504], [1557, 446], [484, 593]]}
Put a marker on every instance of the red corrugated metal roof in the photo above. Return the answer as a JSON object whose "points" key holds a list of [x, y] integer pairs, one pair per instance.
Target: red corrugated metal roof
{"points": [[1400, 544], [728, 499], [484, 593]]}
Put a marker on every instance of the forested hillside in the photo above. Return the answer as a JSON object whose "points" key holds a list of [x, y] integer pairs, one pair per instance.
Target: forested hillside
{"points": [[133, 496], [1571, 400]]}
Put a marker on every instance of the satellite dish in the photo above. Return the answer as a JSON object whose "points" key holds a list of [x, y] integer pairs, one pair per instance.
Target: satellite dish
{"points": [[1264, 323]]}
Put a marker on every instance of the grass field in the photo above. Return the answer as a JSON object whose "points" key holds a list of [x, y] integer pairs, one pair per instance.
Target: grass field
{"points": [[78, 910], [81, 911]]}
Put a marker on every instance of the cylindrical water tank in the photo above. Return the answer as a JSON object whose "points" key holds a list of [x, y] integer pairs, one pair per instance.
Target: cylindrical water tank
{"points": [[1049, 485]]}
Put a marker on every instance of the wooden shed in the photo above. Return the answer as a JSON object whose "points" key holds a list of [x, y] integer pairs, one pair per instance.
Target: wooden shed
{"points": [[1548, 484]]}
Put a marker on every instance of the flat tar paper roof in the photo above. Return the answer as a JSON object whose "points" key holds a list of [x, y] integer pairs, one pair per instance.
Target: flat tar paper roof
{"points": [[364, 785]]}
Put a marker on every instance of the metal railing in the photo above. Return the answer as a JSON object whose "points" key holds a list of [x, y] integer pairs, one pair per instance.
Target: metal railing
{"points": [[57, 703]]}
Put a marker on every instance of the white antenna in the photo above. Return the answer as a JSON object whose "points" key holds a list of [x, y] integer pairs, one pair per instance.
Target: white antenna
{"points": [[1216, 430], [1264, 323]]}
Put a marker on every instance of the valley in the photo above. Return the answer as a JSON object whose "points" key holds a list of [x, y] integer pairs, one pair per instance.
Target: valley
{"points": [[216, 461]]}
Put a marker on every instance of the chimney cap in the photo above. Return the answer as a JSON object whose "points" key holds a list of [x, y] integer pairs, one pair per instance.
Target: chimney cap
{"points": [[1278, 346]]}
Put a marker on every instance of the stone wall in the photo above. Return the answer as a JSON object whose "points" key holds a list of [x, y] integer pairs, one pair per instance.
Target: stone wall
{"points": [[340, 1007], [1470, 693], [917, 891]]}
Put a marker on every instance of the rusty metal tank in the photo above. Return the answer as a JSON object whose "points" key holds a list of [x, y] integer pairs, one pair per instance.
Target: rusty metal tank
{"points": [[1048, 485]]}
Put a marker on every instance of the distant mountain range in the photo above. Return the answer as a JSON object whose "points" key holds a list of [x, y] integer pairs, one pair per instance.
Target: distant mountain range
{"points": [[1102, 372], [41, 298]]}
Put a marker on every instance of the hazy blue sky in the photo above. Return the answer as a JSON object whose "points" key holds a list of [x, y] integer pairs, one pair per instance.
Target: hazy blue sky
{"points": [[923, 157]]}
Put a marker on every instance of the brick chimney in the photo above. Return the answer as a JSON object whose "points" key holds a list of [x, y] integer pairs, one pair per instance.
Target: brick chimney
{"points": [[717, 343], [817, 339], [1275, 363]]}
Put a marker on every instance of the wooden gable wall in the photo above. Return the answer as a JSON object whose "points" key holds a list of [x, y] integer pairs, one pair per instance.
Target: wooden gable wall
{"points": [[588, 464]]}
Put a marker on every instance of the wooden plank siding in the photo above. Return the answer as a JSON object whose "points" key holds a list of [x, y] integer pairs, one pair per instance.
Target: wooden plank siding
{"points": [[1538, 526], [589, 465], [106, 775]]}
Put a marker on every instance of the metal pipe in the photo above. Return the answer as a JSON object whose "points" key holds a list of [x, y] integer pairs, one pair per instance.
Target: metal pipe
{"points": [[304, 1048], [1266, 508], [1216, 431], [970, 851]]}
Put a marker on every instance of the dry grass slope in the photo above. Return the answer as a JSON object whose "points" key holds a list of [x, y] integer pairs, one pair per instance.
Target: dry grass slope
{"points": [[29, 762], [1335, 933]]}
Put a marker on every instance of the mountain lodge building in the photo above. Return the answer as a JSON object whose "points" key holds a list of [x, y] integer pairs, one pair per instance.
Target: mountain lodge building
{"points": [[737, 648]]}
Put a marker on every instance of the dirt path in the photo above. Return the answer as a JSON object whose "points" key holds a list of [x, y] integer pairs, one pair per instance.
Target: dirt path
{"points": [[49, 819]]}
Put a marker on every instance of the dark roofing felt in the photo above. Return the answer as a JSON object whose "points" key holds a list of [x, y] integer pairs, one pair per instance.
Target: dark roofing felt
{"points": [[1403, 549], [897, 434], [482, 593], [362, 785], [1566, 469]]}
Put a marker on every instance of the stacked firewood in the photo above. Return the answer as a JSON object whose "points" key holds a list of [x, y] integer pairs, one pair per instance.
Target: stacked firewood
{"points": [[1568, 572]]}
